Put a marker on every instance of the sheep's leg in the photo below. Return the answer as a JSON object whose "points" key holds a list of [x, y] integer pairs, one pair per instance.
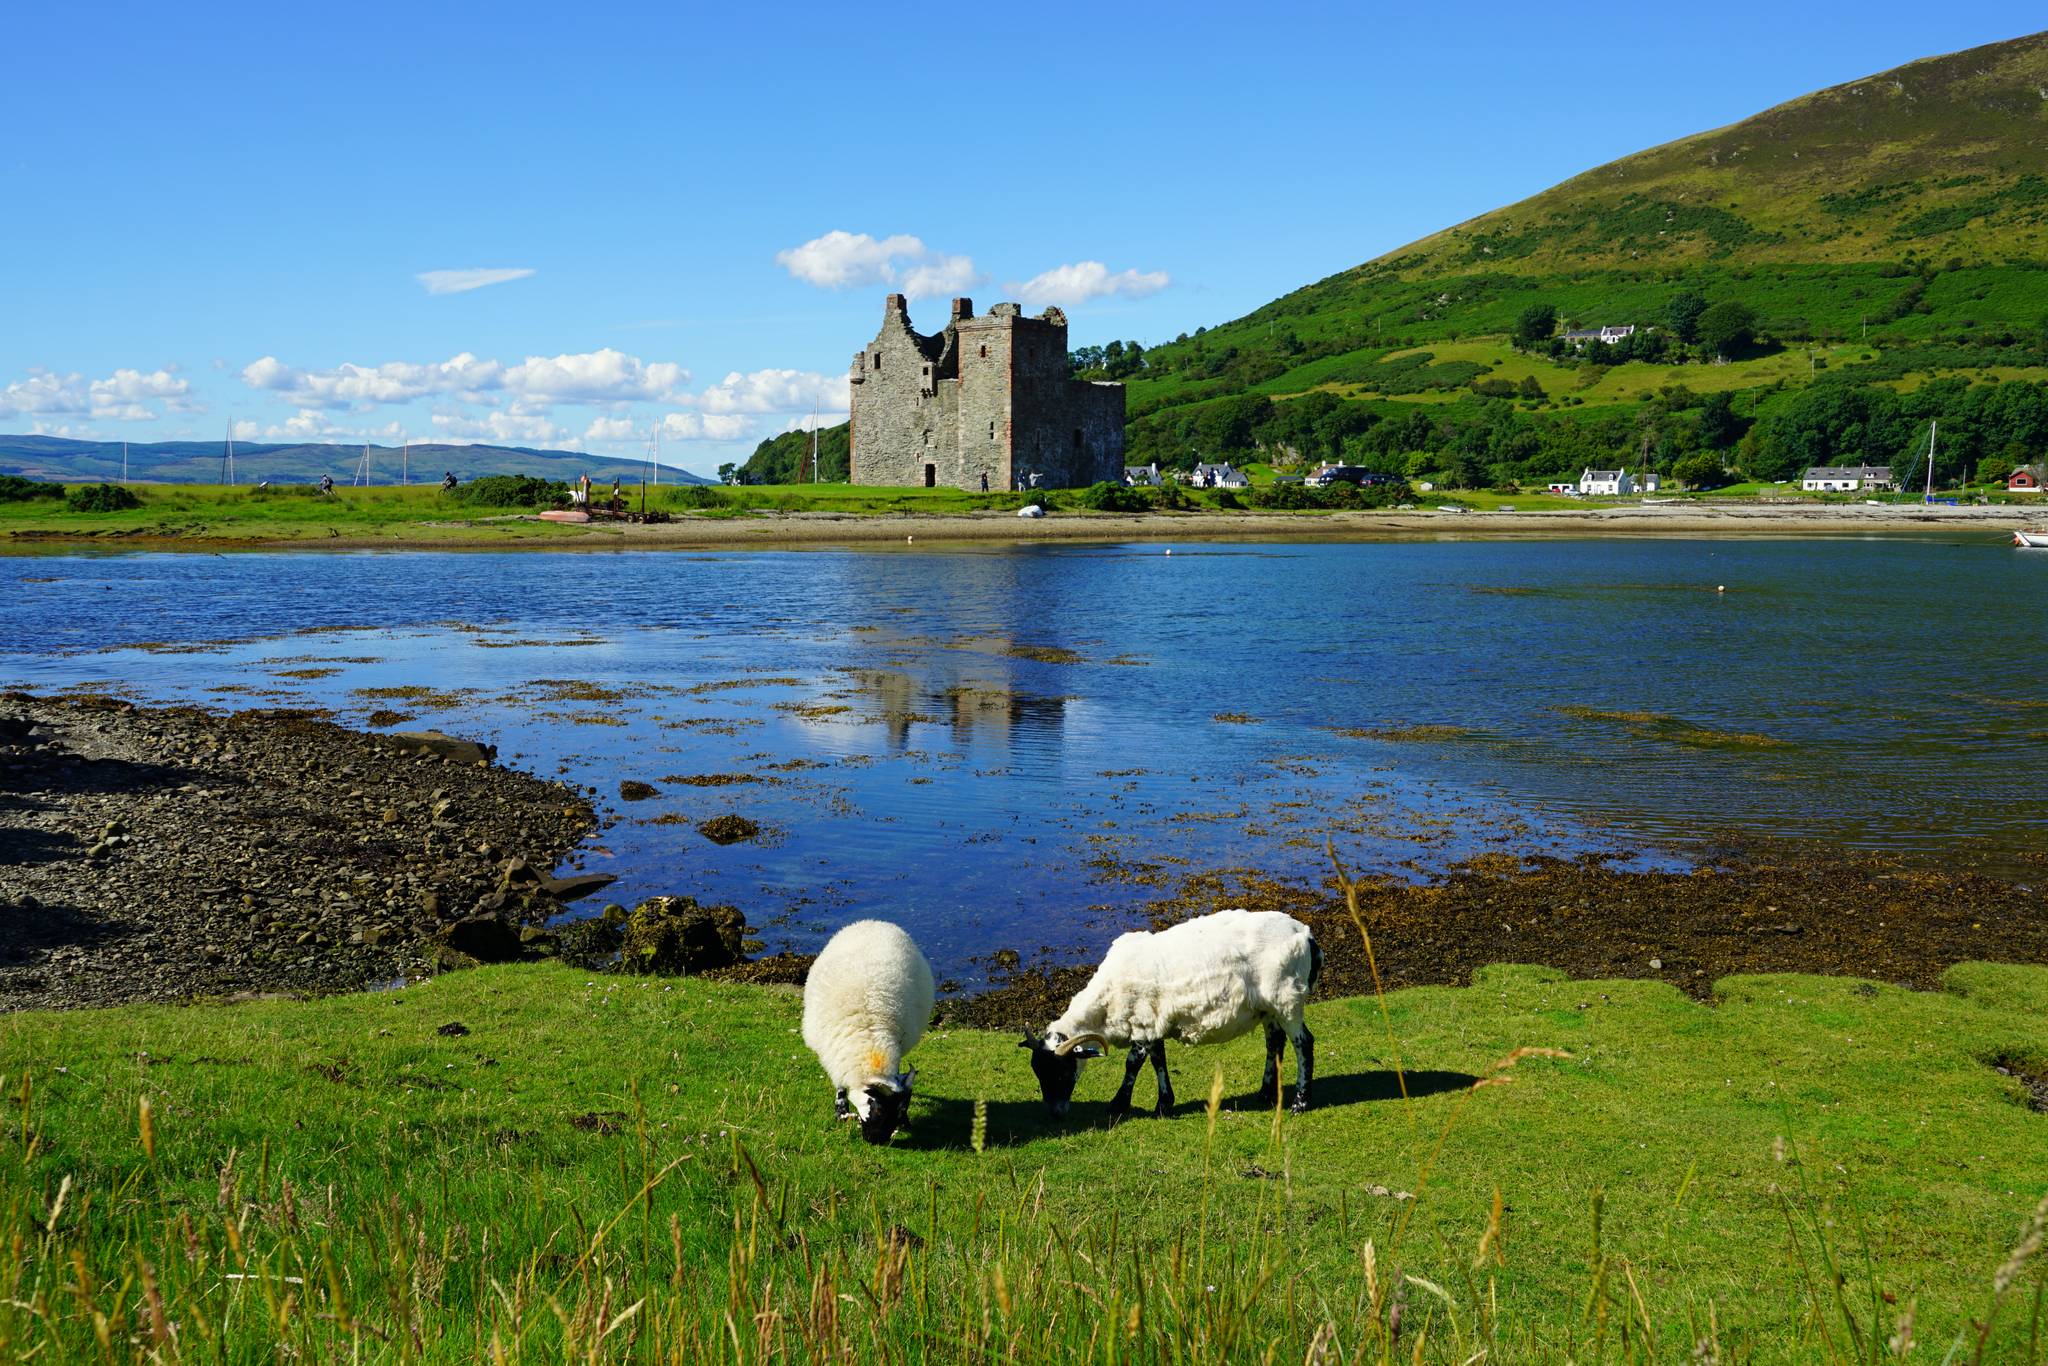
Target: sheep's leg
{"points": [[1120, 1103], [840, 1108], [1276, 1044], [1158, 1051], [1304, 1066]]}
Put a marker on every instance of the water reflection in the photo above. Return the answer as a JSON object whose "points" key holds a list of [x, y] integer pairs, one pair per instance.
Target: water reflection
{"points": [[994, 745]]}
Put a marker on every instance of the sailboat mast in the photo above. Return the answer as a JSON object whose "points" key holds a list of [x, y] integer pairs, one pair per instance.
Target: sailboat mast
{"points": [[405, 464], [124, 462], [1932, 423]]}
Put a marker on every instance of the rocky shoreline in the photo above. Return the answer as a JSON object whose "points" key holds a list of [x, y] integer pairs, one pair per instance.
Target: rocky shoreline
{"points": [[171, 854]]}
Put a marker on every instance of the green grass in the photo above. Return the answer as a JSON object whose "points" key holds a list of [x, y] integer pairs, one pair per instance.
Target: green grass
{"points": [[608, 1168], [421, 512]]}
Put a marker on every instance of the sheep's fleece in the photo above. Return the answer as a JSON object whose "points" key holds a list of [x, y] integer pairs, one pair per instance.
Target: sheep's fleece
{"points": [[1201, 981], [866, 1003]]}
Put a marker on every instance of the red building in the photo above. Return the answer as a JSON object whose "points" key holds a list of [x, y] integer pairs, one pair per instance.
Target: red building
{"points": [[2027, 479]]}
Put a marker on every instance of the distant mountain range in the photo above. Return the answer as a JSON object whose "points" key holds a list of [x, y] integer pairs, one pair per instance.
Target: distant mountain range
{"points": [[63, 460]]}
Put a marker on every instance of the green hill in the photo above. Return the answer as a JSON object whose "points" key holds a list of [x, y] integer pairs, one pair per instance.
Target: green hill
{"points": [[63, 460], [1888, 239], [786, 459]]}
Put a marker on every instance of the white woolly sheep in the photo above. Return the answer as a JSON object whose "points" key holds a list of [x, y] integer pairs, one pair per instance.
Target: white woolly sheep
{"points": [[866, 1003], [1202, 981]]}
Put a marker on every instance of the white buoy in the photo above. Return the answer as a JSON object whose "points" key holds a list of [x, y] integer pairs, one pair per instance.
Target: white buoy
{"points": [[1169, 550], [1720, 588], [910, 538]]}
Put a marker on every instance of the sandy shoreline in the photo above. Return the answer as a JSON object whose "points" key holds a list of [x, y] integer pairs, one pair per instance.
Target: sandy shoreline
{"points": [[781, 529]]}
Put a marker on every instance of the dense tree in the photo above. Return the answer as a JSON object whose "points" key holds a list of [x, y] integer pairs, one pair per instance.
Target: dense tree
{"points": [[1682, 315], [1718, 427], [1536, 324], [1831, 424], [1727, 328], [1532, 387], [1700, 470]]}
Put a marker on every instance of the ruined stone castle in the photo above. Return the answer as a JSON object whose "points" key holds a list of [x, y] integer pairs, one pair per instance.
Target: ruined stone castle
{"points": [[985, 399]]}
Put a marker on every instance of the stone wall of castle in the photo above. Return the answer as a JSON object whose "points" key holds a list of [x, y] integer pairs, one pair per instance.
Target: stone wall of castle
{"points": [[986, 398]]}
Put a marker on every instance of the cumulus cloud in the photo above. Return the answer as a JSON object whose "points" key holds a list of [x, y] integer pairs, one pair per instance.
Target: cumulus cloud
{"points": [[1087, 280], [841, 260], [605, 376], [706, 426], [461, 281], [606, 431], [775, 391], [122, 396], [500, 428]]}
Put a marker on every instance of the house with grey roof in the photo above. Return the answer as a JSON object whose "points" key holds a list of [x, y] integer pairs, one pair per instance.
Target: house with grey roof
{"points": [[1223, 476], [1845, 478]]}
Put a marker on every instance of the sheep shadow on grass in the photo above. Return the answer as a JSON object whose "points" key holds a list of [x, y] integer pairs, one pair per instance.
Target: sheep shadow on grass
{"points": [[946, 1124]]}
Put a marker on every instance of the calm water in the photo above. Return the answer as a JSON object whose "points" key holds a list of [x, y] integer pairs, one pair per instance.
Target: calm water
{"points": [[980, 743]]}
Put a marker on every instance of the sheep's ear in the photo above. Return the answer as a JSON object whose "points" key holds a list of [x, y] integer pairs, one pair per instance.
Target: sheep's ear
{"points": [[1028, 1041], [1087, 1050], [907, 1079]]}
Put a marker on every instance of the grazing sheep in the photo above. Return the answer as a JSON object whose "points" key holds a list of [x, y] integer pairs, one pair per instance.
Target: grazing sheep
{"points": [[866, 1003], [1202, 981]]}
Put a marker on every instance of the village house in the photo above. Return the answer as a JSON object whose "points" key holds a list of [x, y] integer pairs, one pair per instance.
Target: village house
{"points": [[2026, 479], [1606, 336], [1845, 478], [1224, 476], [1142, 476], [1606, 483]]}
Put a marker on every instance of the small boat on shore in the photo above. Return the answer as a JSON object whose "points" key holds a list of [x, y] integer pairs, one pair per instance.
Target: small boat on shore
{"points": [[2030, 540], [565, 515]]}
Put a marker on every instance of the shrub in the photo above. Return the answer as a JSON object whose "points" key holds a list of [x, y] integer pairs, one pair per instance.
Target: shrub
{"points": [[512, 491], [15, 489], [101, 498], [692, 497], [1108, 497]]}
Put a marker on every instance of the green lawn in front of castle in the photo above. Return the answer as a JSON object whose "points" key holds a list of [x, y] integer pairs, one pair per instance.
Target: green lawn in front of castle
{"points": [[600, 1167]]}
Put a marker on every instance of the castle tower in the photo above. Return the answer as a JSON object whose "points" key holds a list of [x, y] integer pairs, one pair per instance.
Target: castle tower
{"points": [[989, 398]]}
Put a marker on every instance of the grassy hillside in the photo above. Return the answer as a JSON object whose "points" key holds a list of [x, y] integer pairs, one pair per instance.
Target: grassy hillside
{"points": [[539, 1164], [199, 462], [1887, 234]]}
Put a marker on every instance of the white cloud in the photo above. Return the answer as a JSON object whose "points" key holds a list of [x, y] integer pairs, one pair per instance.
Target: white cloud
{"points": [[605, 376], [705, 427], [609, 431], [121, 397], [498, 428], [1085, 280], [940, 276], [840, 260], [460, 281], [775, 391]]}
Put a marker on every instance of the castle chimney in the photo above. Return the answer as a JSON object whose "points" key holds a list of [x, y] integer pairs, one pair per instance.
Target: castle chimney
{"points": [[962, 309], [893, 304]]}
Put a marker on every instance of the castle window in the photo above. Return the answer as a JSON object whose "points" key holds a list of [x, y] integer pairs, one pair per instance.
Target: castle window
{"points": [[984, 352], [991, 430], [1077, 438], [878, 360]]}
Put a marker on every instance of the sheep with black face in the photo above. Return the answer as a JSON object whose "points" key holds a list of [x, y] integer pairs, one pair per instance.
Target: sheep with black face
{"points": [[866, 1003], [1202, 981]]}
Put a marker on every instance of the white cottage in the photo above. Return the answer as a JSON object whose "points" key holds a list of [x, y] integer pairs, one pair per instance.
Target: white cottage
{"points": [[1606, 483], [1142, 476], [1845, 478], [1224, 476]]}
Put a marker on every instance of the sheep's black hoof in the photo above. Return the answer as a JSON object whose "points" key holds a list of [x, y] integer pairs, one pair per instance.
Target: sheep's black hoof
{"points": [[1119, 1113], [1164, 1109]]}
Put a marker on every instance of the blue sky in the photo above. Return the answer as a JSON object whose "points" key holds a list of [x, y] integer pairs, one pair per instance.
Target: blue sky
{"points": [[279, 217]]}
